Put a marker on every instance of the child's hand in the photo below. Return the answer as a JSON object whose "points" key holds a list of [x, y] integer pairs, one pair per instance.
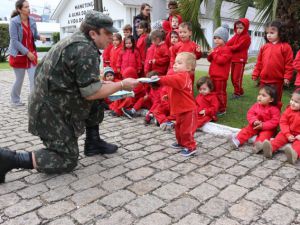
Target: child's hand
{"points": [[286, 82], [256, 122], [165, 98], [210, 51], [298, 137], [291, 138], [198, 49], [202, 112], [153, 61], [145, 97], [258, 127], [118, 70], [254, 78]]}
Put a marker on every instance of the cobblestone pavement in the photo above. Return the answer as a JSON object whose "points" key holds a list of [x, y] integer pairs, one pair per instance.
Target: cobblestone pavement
{"points": [[146, 182]]}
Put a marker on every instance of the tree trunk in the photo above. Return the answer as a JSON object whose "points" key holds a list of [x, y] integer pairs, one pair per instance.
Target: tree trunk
{"points": [[98, 5]]}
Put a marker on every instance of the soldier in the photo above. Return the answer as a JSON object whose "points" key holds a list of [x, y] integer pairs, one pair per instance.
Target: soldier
{"points": [[64, 101]]}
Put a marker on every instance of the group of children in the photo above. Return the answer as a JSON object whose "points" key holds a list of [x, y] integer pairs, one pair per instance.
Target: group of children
{"points": [[169, 53]]}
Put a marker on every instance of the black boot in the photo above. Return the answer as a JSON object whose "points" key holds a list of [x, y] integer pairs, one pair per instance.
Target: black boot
{"points": [[95, 145], [13, 160]]}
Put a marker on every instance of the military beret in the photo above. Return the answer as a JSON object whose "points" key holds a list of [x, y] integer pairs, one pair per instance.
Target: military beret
{"points": [[100, 20]]}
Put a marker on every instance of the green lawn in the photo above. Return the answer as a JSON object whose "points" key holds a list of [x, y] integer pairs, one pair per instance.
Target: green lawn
{"points": [[237, 109], [4, 66]]}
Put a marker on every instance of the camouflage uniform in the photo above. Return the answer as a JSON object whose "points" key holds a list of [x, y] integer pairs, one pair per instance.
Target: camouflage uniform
{"points": [[58, 111]]}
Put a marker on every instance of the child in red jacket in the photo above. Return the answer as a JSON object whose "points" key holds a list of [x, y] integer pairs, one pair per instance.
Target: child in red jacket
{"points": [[142, 43], [181, 90], [296, 65], [129, 56], [220, 60], [108, 75], [185, 45], [239, 45], [173, 12], [289, 132], [275, 59], [106, 55], [263, 118], [114, 53], [207, 102]]}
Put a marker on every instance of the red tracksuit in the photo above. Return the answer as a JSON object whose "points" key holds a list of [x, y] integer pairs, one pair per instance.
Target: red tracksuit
{"points": [[162, 111], [220, 60], [128, 58], [296, 65], [114, 55], [289, 125], [106, 55], [162, 58], [239, 45], [181, 91], [149, 57], [269, 115], [141, 45], [274, 64], [150, 101], [210, 104]]}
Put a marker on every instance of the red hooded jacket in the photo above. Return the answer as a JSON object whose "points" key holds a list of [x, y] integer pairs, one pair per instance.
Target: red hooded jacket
{"points": [[290, 122], [141, 46], [127, 58], [161, 56], [296, 65], [220, 60], [240, 43], [149, 57], [274, 63], [106, 55], [209, 103], [114, 56], [269, 115]]}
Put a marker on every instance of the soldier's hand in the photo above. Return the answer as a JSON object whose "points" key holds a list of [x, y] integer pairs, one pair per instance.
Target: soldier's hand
{"points": [[129, 84]]}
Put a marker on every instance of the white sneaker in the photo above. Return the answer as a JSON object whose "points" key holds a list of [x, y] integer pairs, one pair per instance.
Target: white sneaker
{"points": [[17, 104]]}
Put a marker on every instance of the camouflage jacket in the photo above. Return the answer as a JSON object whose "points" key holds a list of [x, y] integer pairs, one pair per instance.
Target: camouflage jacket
{"points": [[68, 73]]}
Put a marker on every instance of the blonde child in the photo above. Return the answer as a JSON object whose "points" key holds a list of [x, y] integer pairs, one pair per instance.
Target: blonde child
{"points": [[263, 118], [289, 132], [114, 53]]}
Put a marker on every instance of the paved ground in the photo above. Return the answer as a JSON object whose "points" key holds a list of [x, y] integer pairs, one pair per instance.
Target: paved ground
{"points": [[146, 182]]}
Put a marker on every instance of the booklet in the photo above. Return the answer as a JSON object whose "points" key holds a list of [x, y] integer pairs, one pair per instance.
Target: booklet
{"points": [[147, 80], [120, 94]]}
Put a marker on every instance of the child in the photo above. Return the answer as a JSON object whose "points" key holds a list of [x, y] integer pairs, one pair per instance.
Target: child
{"points": [[207, 102], [161, 57], [114, 53], [127, 30], [180, 84], [289, 132], [108, 75], [142, 31], [173, 12], [174, 26], [263, 118], [106, 55], [185, 45], [275, 59], [239, 45], [296, 65], [220, 59], [174, 38], [129, 56]]}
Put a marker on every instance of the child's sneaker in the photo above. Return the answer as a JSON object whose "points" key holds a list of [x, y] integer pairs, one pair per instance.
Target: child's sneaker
{"points": [[128, 113], [170, 125], [163, 126], [258, 146], [148, 118], [176, 145], [267, 148], [186, 152], [291, 154]]}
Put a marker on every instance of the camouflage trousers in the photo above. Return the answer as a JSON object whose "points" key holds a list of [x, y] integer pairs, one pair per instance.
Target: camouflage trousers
{"points": [[61, 156]]}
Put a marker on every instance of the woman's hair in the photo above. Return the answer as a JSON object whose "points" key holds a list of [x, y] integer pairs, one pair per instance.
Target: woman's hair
{"points": [[282, 32], [143, 6], [173, 3], [18, 5], [207, 81], [118, 36], [272, 91], [158, 34], [145, 26], [130, 37]]}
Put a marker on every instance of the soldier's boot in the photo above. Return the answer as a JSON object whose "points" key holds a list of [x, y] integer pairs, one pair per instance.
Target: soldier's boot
{"points": [[13, 160], [95, 145]]}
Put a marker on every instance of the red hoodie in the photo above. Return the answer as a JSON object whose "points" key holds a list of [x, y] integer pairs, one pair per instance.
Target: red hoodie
{"points": [[240, 43], [149, 57], [290, 122], [269, 115], [181, 92], [187, 46], [162, 58], [167, 24], [106, 55], [220, 60], [127, 58], [296, 65], [274, 63], [141, 46], [114, 55], [209, 103]]}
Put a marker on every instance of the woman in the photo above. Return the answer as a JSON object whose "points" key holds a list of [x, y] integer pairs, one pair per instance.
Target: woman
{"points": [[144, 15], [22, 50]]}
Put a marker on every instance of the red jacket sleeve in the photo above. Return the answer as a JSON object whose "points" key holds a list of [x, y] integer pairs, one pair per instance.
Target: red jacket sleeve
{"points": [[274, 121], [258, 65], [252, 115], [138, 60], [296, 63], [288, 62], [222, 57], [243, 43], [284, 123], [197, 54], [119, 61], [212, 110], [177, 81], [210, 57], [174, 51]]}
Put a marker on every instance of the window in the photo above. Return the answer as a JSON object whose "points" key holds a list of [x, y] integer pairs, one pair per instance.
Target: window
{"points": [[118, 24]]}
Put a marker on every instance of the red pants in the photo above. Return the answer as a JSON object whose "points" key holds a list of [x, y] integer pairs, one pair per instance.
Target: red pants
{"points": [[237, 72], [279, 88], [201, 120], [280, 140], [142, 103], [220, 88], [185, 128], [248, 132]]}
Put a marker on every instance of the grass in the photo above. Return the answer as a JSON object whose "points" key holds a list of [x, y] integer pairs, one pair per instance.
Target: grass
{"points": [[4, 66], [237, 109]]}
